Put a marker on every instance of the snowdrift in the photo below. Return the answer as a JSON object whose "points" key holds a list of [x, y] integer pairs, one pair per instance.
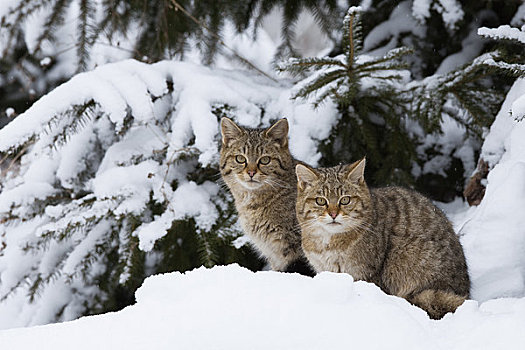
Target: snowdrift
{"points": [[229, 307], [493, 233]]}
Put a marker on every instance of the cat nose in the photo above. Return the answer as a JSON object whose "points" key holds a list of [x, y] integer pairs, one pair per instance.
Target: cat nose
{"points": [[251, 173], [333, 214]]}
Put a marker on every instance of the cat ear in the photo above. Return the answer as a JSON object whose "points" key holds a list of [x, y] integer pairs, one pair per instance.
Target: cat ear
{"points": [[305, 176], [357, 171], [279, 132], [229, 130]]}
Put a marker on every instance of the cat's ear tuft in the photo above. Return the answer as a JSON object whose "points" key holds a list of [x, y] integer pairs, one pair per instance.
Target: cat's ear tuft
{"points": [[305, 176], [229, 130], [356, 171], [279, 132]]}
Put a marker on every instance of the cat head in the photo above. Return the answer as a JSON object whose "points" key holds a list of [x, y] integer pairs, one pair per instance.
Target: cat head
{"points": [[255, 158], [332, 199]]}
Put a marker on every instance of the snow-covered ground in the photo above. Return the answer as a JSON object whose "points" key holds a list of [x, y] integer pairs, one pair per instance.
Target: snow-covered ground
{"points": [[233, 308], [229, 307]]}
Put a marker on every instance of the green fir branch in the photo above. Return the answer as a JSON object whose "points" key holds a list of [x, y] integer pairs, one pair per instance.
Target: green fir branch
{"points": [[319, 82], [352, 35], [207, 255], [55, 19], [86, 21], [297, 66], [17, 15]]}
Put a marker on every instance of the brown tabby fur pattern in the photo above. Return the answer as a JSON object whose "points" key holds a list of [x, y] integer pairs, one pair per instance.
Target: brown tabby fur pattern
{"points": [[393, 237], [259, 170]]}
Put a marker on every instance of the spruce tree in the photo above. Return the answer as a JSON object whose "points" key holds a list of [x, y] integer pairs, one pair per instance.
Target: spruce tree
{"points": [[389, 99], [367, 91], [381, 105], [94, 193]]}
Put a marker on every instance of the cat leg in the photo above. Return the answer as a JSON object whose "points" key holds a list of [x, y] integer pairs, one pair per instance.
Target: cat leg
{"points": [[298, 265], [437, 303], [302, 266]]}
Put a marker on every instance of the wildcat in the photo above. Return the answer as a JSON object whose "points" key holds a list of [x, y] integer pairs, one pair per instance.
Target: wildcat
{"points": [[258, 168], [391, 236]]}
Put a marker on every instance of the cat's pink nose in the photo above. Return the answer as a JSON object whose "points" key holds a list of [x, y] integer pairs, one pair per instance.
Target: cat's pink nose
{"points": [[333, 214], [251, 173]]}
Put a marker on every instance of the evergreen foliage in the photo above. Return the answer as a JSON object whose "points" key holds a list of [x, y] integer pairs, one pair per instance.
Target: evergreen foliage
{"points": [[462, 94], [164, 30], [84, 203], [95, 245], [147, 30], [367, 90], [380, 104]]}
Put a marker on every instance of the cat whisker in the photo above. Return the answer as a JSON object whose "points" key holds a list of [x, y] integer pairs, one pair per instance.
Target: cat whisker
{"points": [[276, 182], [282, 183], [308, 224], [268, 182], [362, 228]]}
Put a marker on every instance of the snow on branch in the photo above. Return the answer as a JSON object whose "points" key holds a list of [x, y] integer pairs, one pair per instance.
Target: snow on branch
{"points": [[451, 11], [106, 164], [503, 32]]}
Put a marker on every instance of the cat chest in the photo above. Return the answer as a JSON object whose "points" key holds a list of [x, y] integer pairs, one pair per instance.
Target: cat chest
{"points": [[266, 237], [333, 261]]}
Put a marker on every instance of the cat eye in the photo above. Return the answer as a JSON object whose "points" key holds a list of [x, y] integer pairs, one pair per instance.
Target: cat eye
{"points": [[345, 200], [320, 201], [264, 160], [240, 159]]}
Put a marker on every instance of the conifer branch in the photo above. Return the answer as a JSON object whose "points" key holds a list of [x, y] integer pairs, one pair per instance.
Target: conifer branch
{"points": [[351, 56], [341, 81], [23, 10], [55, 19], [219, 39], [87, 14]]}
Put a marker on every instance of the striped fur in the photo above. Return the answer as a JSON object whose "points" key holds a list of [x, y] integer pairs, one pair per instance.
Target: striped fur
{"points": [[393, 237], [266, 204]]}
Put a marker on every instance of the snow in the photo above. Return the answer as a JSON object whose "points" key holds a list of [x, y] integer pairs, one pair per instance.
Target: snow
{"points": [[188, 199], [497, 140], [229, 307], [365, 4], [503, 32], [421, 9], [10, 112], [471, 47], [132, 181], [136, 140], [493, 234], [399, 22], [450, 11], [519, 17], [46, 61], [451, 142]]}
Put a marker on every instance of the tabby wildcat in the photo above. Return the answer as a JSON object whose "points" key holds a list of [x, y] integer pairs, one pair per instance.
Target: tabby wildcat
{"points": [[391, 236], [259, 170]]}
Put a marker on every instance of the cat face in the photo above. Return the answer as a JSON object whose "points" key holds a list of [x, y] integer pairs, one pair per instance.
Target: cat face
{"points": [[255, 158], [332, 199]]}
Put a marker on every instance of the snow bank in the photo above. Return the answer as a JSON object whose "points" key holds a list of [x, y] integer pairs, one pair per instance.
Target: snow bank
{"points": [[230, 307], [494, 232]]}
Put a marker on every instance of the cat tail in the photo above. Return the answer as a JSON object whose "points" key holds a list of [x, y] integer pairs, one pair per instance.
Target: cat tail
{"points": [[437, 303]]}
